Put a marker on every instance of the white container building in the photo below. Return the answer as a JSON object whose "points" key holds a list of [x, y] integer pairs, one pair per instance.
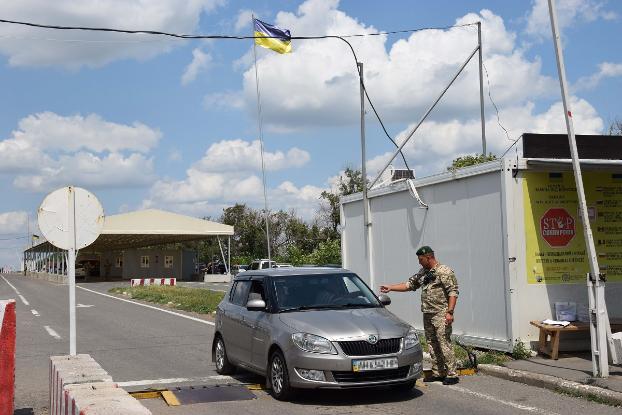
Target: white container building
{"points": [[510, 230]]}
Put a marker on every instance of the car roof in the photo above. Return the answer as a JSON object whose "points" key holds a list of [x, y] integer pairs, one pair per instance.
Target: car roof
{"points": [[293, 271]]}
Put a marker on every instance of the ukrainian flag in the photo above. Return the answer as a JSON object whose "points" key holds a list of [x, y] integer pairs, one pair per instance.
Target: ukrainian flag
{"points": [[271, 37]]}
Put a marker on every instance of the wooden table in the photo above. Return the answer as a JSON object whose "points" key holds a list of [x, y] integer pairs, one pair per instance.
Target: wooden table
{"points": [[551, 347]]}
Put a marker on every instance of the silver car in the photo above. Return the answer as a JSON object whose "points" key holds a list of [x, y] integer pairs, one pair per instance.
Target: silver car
{"points": [[313, 328]]}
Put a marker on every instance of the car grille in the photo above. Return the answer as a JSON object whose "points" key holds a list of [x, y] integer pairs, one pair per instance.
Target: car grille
{"points": [[363, 348], [372, 375]]}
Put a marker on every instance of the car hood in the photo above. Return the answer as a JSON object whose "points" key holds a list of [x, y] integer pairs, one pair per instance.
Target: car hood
{"points": [[351, 324]]}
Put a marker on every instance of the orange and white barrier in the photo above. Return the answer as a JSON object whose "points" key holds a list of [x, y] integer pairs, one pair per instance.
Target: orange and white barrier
{"points": [[152, 281], [79, 386], [7, 356]]}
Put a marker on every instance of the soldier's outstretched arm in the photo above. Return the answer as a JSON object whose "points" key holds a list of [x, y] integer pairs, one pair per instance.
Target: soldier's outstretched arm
{"points": [[401, 287]]}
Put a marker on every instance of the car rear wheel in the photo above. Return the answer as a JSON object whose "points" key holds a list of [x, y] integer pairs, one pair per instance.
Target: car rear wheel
{"points": [[223, 366], [279, 377]]}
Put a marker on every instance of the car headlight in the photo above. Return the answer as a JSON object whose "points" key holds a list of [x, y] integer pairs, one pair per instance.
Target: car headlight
{"points": [[312, 343], [411, 339]]}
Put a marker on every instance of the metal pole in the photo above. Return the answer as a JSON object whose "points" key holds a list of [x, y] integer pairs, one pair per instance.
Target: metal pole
{"points": [[72, 271], [259, 127], [481, 87], [600, 307], [363, 156], [229, 252], [424, 117], [366, 214]]}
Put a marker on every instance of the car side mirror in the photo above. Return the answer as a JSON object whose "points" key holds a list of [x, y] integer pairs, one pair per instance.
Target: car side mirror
{"points": [[256, 305], [384, 299]]}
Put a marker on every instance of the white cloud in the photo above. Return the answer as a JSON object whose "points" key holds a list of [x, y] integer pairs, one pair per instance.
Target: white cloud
{"points": [[27, 46], [13, 222], [244, 21], [230, 171], [243, 155], [568, 12], [436, 144], [403, 78], [91, 171], [605, 70], [50, 131], [200, 64], [49, 150]]}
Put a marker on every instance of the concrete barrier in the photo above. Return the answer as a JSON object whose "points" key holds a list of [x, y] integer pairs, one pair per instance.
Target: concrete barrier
{"points": [[7, 356], [152, 281], [79, 385], [226, 278]]}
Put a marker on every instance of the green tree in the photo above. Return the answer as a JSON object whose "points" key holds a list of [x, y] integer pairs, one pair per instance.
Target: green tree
{"points": [[328, 252], [328, 215], [616, 127], [470, 160]]}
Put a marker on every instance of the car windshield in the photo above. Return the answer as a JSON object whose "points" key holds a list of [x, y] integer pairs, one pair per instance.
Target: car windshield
{"points": [[301, 292]]}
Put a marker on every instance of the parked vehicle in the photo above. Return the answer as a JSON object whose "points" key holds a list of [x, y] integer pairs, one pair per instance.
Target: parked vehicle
{"points": [[236, 269], [261, 264], [313, 328]]}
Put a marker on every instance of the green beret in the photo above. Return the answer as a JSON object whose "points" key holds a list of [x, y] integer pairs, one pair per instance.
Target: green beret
{"points": [[424, 250]]}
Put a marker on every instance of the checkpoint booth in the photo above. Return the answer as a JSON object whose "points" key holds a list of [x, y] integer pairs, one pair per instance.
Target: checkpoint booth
{"points": [[142, 244], [511, 231]]}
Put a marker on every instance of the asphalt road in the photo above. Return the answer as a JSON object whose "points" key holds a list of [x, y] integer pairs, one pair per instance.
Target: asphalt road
{"points": [[143, 347]]}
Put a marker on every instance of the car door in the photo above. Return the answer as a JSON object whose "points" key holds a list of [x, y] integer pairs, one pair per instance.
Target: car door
{"points": [[259, 325], [233, 327]]}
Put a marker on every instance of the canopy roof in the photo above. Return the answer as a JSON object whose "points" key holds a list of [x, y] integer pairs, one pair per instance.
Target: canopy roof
{"points": [[148, 228]]}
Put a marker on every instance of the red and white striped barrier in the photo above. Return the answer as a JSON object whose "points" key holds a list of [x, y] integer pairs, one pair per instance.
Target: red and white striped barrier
{"points": [[152, 281], [7, 356], [79, 386]]}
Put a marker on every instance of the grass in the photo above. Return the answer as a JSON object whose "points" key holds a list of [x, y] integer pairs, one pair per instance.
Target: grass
{"points": [[491, 357], [199, 300]]}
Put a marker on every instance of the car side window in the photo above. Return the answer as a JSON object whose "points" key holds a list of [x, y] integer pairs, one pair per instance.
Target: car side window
{"points": [[265, 265], [239, 293]]}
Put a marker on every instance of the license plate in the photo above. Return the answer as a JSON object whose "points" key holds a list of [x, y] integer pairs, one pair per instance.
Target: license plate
{"points": [[374, 364]]}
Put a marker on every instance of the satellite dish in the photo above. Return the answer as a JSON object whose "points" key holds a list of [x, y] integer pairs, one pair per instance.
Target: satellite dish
{"points": [[54, 217]]}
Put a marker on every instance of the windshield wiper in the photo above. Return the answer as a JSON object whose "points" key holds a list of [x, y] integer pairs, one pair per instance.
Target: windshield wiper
{"points": [[356, 305], [301, 308]]}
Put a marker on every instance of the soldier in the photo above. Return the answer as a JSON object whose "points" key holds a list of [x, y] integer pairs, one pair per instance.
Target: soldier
{"points": [[439, 293]]}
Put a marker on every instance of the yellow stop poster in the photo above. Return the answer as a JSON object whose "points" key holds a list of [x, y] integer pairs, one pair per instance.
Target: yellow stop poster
{"points": [[555, 245]]}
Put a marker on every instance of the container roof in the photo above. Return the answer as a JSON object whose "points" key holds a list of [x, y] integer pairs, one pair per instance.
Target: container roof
{"points": [[149, 228]]}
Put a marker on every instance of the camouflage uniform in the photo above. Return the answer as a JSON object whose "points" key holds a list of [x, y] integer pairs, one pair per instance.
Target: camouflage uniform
{"points": [[437, 285]]}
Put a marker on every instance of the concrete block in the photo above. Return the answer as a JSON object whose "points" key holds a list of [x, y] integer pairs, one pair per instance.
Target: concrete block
{"points": [[108, 402]]}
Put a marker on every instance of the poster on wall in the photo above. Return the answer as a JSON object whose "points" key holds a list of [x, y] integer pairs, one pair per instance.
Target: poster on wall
{"points": [[555, 245]]}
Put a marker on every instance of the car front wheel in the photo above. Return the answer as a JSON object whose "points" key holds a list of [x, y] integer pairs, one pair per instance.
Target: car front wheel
{"points": [[223, 366], [279, 377]]}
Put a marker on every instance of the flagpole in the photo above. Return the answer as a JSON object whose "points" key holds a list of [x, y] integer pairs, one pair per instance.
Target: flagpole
{"points": [[260, 131]]}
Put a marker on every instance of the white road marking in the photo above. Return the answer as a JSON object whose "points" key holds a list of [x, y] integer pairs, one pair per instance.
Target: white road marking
{"points": [[531, 409], [209, 323], [84, 305], [35, 312], [11, 285], [174, 380], [21, 297], [51, 332]]}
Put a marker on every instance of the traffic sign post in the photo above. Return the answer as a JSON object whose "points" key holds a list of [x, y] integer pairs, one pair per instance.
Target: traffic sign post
{"points": [[71, 218]]}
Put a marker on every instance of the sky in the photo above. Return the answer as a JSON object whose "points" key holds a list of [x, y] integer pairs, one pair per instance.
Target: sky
{"points": [[156, 122]]}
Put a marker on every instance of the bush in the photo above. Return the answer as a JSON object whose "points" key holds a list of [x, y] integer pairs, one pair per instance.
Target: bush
{"points": [[521, 351]]}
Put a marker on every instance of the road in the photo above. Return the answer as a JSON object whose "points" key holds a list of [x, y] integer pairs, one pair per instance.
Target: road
{"points": [[143, 346]]}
